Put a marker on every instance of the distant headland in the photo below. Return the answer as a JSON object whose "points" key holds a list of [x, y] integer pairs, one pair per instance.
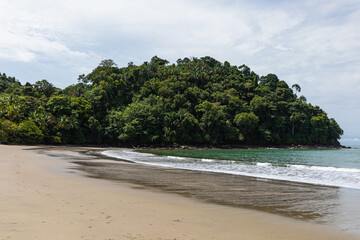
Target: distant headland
{"points": [[197, 101]]}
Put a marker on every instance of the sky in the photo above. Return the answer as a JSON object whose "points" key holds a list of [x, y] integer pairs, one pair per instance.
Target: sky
{"points": [[314, 43]]}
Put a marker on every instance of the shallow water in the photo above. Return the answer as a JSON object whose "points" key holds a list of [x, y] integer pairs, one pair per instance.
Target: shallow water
{"points": [[340, 168], [321, 185]]}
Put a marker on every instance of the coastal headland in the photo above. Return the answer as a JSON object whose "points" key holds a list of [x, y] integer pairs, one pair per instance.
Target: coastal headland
{"points": [[45, 195]]}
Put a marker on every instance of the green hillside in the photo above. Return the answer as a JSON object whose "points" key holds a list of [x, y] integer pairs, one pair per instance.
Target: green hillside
{"points": [[195, 101]]}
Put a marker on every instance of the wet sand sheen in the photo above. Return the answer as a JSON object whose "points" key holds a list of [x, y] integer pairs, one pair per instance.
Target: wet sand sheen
{"points": [[41, 201], [309, 202], [302, 201]]}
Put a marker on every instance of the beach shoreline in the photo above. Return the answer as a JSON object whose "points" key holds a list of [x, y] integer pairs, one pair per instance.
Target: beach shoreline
{"points": [[46, 196], [176, 146]]}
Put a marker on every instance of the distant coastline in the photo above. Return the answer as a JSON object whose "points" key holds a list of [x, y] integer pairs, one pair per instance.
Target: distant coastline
{"points": [[198, 102], [216, 146], [204, 146], [178, 146]]}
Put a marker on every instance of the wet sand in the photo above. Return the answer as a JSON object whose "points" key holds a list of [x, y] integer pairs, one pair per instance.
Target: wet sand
{"points": [[298, 200], [43, 195]]}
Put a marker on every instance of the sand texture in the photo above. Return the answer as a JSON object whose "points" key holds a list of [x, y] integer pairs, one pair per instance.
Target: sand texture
{"points": [[42, 198]]}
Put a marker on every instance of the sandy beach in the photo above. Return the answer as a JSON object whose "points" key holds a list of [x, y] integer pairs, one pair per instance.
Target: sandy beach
{"points": [[44, 196]]}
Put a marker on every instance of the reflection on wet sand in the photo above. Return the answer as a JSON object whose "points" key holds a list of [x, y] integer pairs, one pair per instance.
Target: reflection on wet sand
{"points": [[335, 206], [302, 201]]}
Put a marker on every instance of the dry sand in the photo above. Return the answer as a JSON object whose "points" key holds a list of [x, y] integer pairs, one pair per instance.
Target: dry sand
{"points": [[39, 200]]}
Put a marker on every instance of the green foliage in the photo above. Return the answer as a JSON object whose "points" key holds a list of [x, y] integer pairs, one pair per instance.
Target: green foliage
{"points": [[7, 82], [188, 131], [247, 124], [45, 88], [29, 133], [140, 122], [9, 132], [196, 101], [214, 123]]}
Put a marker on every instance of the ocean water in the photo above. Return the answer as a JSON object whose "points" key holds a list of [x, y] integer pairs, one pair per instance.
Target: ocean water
{"points": [[333, 200], [338, 167]]}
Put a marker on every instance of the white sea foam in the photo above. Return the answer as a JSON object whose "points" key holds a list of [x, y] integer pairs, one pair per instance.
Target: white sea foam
{"points": [[173, 157], [322, 175], [328, 169], [263, 164], [207, 160]]}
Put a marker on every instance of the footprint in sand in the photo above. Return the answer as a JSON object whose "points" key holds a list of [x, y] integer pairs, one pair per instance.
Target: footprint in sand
{"points": [[108, 219]]}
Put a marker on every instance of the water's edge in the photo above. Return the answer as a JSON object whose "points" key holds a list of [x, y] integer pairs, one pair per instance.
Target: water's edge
{"points": [[321, 204], [296, 169]]}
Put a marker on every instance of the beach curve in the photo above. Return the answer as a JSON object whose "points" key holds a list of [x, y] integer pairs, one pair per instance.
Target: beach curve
{"points": [[41, 198]]}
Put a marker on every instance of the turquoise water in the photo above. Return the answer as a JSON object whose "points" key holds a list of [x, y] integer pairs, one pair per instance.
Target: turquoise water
{"points": [[338, 158], [337, 171], [339, 167]]}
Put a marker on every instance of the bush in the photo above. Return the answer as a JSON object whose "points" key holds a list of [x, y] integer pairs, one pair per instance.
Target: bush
{"points": [[29, 133]]}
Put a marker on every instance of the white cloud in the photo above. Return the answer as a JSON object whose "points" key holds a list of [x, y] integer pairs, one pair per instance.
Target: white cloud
{"points": [[313, 43], [26, 36], [51, 27]]}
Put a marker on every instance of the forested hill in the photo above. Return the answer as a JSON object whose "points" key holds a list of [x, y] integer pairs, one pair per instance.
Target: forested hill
{"points": [[195, 101]]}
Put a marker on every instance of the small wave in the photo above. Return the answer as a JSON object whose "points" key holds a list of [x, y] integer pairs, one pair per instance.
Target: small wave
{"points": [[207, 160], [328, 169], [323, 175], [124, 151], [131, 152], [173, 157], [263, 164], [109, 153]]}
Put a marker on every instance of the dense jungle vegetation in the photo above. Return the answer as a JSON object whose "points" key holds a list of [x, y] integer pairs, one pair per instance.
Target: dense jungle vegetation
{"points": [[195, 101]]}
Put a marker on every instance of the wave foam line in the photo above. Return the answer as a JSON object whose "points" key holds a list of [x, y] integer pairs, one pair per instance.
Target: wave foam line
{"points": [[328, 169]]}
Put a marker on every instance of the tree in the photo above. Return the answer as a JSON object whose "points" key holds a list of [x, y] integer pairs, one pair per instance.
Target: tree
{"points": [[297, 88], [197, 100], [247, 124], [214, 123], [319, 129], [59, 105], [140, 122], [29, 133], [302, 99], [43, 87], [107, 63], [188, 130], [270, 80], [7, 82], [158, 61]]}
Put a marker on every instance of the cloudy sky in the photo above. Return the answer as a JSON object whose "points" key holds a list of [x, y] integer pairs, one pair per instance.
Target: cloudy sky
{"points": [[315, 43]]}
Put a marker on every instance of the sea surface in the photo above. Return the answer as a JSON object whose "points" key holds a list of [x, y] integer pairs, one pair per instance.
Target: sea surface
{"points": [[321, 185], [337, 167]]}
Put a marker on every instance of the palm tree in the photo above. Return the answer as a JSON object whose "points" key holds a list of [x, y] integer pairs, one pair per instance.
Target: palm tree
{"points": [[297, 88], [45, 88]]}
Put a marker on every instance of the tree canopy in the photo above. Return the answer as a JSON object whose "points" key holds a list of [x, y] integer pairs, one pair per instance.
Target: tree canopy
{"points": [[195, 101]]}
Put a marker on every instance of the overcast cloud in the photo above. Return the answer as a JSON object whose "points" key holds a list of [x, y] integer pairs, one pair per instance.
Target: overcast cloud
{"points": [[313, 43]]}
